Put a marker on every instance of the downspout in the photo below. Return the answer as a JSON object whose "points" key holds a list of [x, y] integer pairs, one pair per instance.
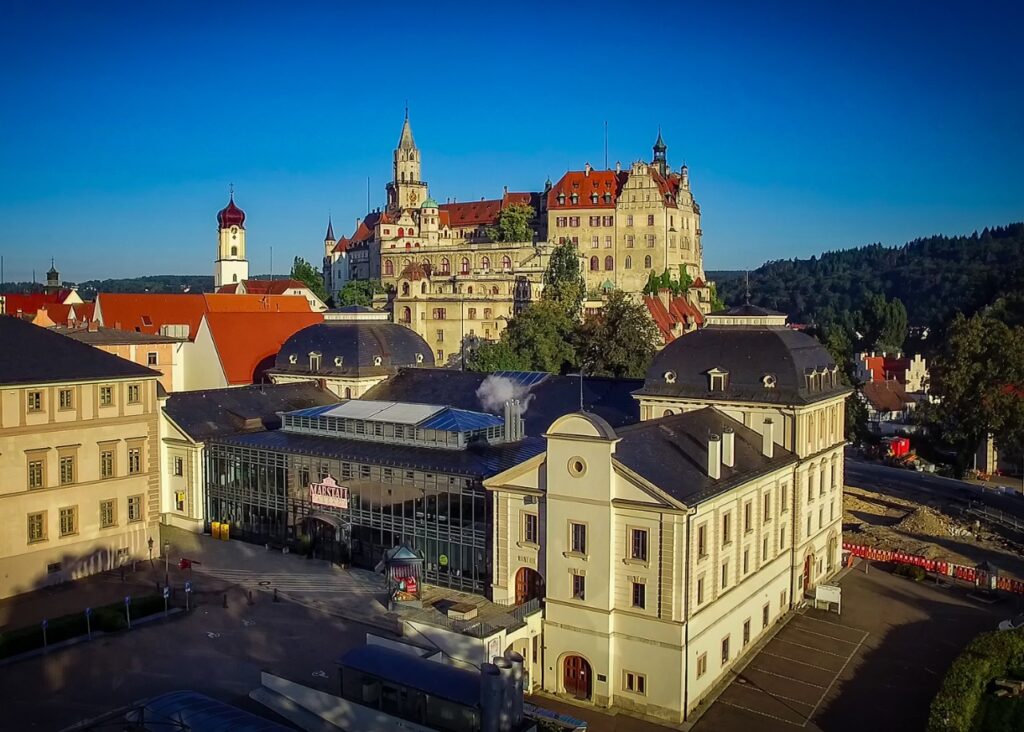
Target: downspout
{"points": [[686, 616]]}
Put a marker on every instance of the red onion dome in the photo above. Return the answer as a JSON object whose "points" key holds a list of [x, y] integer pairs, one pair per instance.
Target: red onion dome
{"points": [[231, 215]]}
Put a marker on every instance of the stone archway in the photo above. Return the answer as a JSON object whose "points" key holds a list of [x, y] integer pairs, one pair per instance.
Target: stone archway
{"points": [[808, 573], [529, 584], [577, 676]]}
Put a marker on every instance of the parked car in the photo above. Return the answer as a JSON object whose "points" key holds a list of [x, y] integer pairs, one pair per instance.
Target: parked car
{"points": [[1017, 621]]}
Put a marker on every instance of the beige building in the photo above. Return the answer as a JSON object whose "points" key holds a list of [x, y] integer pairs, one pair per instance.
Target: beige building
{"points": [[161, 353], [629, 223], [665, 549], [79, 458]]}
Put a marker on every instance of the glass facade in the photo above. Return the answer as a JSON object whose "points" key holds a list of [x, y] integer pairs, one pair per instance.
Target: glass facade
{"points": [[264, 494]]}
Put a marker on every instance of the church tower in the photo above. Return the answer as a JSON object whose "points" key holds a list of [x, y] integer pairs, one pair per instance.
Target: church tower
{"points": [[660, 160], [407, 189], [231, 265]]}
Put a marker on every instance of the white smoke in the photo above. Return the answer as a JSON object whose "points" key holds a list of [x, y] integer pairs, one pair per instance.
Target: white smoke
{"points": [[496, 390]]}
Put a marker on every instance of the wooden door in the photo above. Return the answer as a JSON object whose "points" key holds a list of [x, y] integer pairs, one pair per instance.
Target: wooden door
{"points": [[576, 677], [528, 585]]}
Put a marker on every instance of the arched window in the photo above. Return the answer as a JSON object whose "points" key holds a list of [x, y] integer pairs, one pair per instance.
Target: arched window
{"points": [[403, 176], [485, 263], [234, 251], [506, 263], [401, 232], [594, 265], [406, 315], [469, 290], [348, 392], [406, 262], [446, 266], [405, 288], [494, 290], [647, 262], [464, 266], [629, 262], [423, 287], [389, 268], [609, 263], [234, 278]]}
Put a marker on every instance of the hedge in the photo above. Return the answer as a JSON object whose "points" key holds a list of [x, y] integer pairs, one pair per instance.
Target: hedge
{"points": [[988, 657], [109, 619]]}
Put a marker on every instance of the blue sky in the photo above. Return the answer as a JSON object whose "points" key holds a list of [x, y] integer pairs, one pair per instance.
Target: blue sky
{"points": [[806, 127]]}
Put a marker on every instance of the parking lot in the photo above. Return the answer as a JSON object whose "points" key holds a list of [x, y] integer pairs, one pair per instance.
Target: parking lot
{"points": [[787, 681]]}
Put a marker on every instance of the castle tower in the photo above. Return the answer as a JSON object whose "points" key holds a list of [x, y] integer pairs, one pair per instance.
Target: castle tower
{"points": [[52, 279], [329, 240], [231, 265], [407, 189], [660, 159], [429, 221]]}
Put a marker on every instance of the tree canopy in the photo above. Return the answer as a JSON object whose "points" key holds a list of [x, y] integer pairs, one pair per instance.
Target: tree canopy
{"points": [[619, 340], [358, 292], [678, 286], [563, 279], [307, 274], [513, 224]]}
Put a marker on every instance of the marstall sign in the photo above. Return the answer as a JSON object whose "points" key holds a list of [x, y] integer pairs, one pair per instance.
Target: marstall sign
{"points": [[328, 493]]}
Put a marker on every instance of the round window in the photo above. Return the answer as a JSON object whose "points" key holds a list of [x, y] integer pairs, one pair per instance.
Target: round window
{"points": [[577, 467]]}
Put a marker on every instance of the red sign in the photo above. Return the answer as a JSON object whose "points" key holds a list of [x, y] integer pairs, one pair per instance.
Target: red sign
{"points": [[328, 493]]}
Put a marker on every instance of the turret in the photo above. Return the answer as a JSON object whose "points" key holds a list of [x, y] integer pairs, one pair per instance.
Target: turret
{"points": [[231, 265], [660, 158]]}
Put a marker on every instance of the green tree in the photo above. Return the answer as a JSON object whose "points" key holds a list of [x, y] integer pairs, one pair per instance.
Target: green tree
{"points": [[541, 338], [979, 376], [307, 274], [717, 303], [493, 356], [620, 340], [513, 224], [359, 292], [563, 280], [886, 323]]}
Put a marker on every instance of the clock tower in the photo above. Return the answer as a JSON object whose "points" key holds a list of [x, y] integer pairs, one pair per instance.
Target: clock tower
{"points": [[231, 265], [407, 189]]}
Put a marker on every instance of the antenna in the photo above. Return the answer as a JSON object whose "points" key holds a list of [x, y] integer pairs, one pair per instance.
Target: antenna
{"points": [[367, 194], [606, 144], [271, 262], [231, 190], [746, 276], [581, 389]]}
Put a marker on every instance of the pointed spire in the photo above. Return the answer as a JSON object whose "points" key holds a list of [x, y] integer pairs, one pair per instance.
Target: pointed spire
{"points": [[659, 145], [330, 230], [405, 142]]}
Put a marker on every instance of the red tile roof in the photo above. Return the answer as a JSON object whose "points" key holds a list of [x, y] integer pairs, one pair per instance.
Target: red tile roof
{"points": [[584, 185], [886, 396], [29, 304], [473, 213], [248, 342], [262, 287], [255, 303], [887, 367], [679, 312], [365, 230]]}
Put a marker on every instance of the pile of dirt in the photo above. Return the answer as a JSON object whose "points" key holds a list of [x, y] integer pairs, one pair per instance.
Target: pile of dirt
{"points": [[924, 521]]}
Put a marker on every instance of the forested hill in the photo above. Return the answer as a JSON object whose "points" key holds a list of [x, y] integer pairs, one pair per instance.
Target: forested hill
{"points": [[934, 277]]}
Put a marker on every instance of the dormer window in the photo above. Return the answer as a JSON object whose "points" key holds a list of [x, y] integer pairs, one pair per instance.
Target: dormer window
{"points": [[718, 379], [768, 380], [561, 199], [575, 198], [607, 197], [419, 358], [593, 198], [293, 359], [670, 377], [377, 360], [314, 360], [339, 361]]}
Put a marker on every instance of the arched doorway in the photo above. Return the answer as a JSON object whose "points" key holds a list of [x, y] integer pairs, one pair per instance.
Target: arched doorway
{"points": [[328, 537], [529, 585], [808, 571], [833, 551], [576, 677]]}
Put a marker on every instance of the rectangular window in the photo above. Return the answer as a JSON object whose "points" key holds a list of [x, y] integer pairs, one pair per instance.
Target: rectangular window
{"points": [[135, 508], [821, 517], [638, 544], [108, 513], [725, 650], [782, 538], [651, 240], [783, 503], [726, 529], [472, 313], [560, 221], [595, 221], [595, 242], [439, 314], [488, 314], [34, 400], [832, 511], [607, 242], [650, 219], [134, 460], [702, 664], [67, 469], [748, 517], [630, 241], [578, 538], [579, 587], [179, 466], [809, 517], [766, 515], [574, 221], [725, 575], [106, 463], [179, 501], [700, 590], [530, 528], [782, 601], [639, 595], [746, 632], [135, 392], [66, 399], [35, 474], [765, 612], [810, 487], [821, 483], [764, 548], [37, 527], [702, 541], [440, 355], [608, 221], [629, 219], [106, 396], [440, 336], [637, 683], [69, 521], [151, 358], [832, 483], [746, 561]]}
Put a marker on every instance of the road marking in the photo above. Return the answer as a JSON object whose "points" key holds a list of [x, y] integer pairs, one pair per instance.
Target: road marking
{"points": [[774, 695], [809, 648], [823, 635], [763, 714], [793, 660], [834, 678], [781, 676], [838, 625]]}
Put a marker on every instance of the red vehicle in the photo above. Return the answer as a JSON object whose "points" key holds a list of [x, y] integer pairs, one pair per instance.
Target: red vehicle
{"points": [[896, 447]]}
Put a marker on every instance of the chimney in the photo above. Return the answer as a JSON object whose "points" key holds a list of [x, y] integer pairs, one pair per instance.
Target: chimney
{"points": [[729, 447], [505, 190], [117, 325], [586, 170], [714, 457], [665, 295], [768, 438], [93, 326], [518, 677], [490, 697], [504, 667]]}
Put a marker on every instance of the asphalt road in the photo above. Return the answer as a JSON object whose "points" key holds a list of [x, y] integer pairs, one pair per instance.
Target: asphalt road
{"points": [[910, 483]]}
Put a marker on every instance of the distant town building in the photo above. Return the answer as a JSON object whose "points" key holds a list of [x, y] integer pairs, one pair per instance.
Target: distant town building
{"points": [[911, 373], [161, 353], [79, 454], [888, 406], [231, 265], [286, 286]]}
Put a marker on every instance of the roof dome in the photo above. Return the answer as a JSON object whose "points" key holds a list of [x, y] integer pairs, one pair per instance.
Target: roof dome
{"points": [[429, 203], [761, 362], [353, 343], [231, 215]]}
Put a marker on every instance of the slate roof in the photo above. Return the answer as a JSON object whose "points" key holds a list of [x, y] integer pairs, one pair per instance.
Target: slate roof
{"points": [[748, 354], [212, 412], [113, 337], [672, 453], [357, 343], [30, 354], [436, 679], [478, 460], [546, 397]]}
